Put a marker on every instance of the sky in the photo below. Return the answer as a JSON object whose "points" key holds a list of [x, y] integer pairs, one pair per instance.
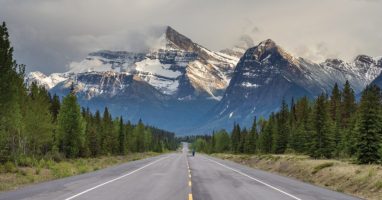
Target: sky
{"points": [[48, 35]]}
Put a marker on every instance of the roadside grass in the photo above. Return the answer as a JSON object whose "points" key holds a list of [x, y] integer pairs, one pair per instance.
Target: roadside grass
{"points": [[31, 170], [363, 181]]}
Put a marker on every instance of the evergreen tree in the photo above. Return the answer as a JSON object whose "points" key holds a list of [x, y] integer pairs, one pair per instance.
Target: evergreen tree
{"points": [[369, 126], [71, 127], [122, 137], [94, 134], [321, 143], [267, 132], [300, 136], [55, 107], [348, 110], [251, 139], [235, 138], [243, 137], [335, 115], [107, 132], [280, 137]]}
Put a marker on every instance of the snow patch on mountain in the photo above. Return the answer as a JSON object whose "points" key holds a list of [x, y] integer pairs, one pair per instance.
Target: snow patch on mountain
{"points": [[45, 81]]}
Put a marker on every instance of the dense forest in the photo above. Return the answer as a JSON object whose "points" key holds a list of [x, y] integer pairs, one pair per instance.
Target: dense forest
{"points": [[34, 123], [329, 126]]}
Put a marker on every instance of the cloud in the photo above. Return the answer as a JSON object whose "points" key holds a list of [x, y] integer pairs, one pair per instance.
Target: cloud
{"points": [[48, 35]]}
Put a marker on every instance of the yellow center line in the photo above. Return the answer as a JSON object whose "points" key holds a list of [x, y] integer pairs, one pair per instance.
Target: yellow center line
{"points": [[190, 196], [189, 183]]}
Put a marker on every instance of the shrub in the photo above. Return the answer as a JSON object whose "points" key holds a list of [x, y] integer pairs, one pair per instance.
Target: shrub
{"points": [[9, 167], [62, 170]]}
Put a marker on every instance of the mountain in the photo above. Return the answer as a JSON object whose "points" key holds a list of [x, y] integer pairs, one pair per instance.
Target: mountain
{"points": [[266, 74], [179, 85], [171, 85]]}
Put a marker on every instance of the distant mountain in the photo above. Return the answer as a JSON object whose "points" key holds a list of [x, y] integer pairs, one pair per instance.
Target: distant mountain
{"points": [[172, 85], [184, 87], [266, 74]]}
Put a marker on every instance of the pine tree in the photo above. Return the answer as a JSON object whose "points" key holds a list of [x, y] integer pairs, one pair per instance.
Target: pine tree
{"points": [[369, 126], [137, 142], [281, 135], [235, 138], [335, 115], [348, 110], [251, 139], [243, 137], [129, 136], [107, 132], [321, 142], [71, 127], [122, 137], [267, 132]]}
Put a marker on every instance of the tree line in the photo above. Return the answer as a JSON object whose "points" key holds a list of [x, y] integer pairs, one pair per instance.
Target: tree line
{"points": [[329, 126], [35, 123]]}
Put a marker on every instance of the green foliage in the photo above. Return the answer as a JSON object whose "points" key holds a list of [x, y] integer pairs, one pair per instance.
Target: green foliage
{"points": [[321, 143], [35, 125], [222, 141], [280, 137], [323, 128], [235, 138], [200, 145], [71, 127], [369, 126]]}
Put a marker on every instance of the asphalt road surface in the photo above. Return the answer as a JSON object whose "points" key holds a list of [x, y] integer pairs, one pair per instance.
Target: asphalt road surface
{"points": [[176, 176]]}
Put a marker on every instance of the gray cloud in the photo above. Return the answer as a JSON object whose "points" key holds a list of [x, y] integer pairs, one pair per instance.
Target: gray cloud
{"points": [[48, 35]]}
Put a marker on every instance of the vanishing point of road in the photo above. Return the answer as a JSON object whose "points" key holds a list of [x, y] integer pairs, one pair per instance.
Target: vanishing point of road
{"points": [[176, 176]]}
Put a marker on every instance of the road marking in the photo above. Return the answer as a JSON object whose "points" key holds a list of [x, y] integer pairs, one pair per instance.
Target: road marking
{"points": [[259, 181], [107, 182], [189, 180]]}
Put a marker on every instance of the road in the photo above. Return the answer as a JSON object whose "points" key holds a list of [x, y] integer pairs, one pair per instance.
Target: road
{"points": [[176, 176]]}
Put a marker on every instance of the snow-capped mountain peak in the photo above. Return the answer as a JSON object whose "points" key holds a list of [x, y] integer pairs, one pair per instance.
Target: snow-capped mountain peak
{"points": [[174, 65]]}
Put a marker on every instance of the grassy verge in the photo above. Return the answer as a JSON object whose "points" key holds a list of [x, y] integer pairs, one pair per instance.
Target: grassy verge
{"points": [[12, 177], [364, 181]]}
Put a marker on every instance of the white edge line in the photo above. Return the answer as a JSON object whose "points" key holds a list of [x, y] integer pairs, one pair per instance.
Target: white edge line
{"points": [[102, 184], [246, 175]]}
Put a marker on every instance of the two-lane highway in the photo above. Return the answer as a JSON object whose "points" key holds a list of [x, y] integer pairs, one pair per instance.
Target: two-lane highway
{"points": [[177, 176]]}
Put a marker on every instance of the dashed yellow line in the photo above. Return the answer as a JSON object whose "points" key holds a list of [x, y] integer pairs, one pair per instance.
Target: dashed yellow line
{"points": [[189, 181]]}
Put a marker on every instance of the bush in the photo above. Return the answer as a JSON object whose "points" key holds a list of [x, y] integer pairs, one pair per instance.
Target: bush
{"points": [[9, 167], [62, 170], [25, 161]]}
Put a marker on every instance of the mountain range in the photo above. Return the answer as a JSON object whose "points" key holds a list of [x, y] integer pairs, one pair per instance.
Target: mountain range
{"points": [[184, 87]]}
